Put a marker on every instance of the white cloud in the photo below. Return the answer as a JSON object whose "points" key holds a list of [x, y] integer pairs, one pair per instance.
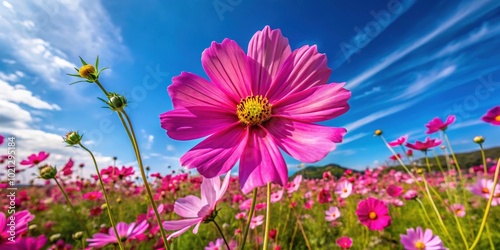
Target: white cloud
{"points": [[8, 5], [9, 77], [375, 116], [374, 90], [353, 138], [19, 94], [463, 14], [8, 61], [466, 124]]}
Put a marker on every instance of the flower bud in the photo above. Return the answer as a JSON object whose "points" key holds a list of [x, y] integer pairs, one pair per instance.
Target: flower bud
{"points": [[88, 72], [48, 172], [72, 138], [117, 102], [32, 227], [118, 200], [78, 235], [104, 206], [479, 139], [54, 237], [378, 132]]}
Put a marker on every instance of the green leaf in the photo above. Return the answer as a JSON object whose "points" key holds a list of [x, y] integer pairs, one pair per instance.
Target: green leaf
{"points": [[83, 62], [97, 63]]}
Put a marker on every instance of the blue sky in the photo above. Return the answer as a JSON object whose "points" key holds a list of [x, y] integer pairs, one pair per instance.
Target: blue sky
{"points": [[405, 62]]}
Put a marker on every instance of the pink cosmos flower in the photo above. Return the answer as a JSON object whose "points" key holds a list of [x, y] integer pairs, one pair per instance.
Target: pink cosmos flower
{"points": [[395, 157], [256, 221], [344, 242], [484, 188], [374, 214], [219, 245], [1, 139], [394, 191], [418, 240], [197, 210], [437, 124], [492, 116], [26, 243], [35, 159], [424, 146], [125, 232], [410, 195], [21, 220], [458, 210], [398, 142], [275, 197], [254, 105], [294, 185], [409, 153], [92, 196], [343, 189], [332, 214], [66, 170]]}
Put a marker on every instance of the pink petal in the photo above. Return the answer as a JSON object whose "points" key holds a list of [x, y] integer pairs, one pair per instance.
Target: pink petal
{"points": [[315, 104], [218, 153], [178, 224], [261, 162], [224, 186], [305, 142], [183, 124], [188, 206], [190, 90], [226, 65], [208, 189], [268, 49], [303, 69]]}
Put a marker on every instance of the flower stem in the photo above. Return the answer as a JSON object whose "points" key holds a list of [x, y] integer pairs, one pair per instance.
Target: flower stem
{"points": [[399, 160], [483, 156], [131, 135], [268, 216], [108, 205], [71, 207], [301, 228], [222, 234], [456, 165], [488, 207], [250, 216]]}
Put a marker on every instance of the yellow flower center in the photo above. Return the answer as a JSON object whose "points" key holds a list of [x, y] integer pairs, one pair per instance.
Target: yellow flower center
{"points": [[344, 190], [372, 215], [420, 245], [485, 190], [497, 118], [254, 110], [86, 70]]}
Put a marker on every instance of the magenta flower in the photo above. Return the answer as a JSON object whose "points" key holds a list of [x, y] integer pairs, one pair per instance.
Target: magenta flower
{"points": [[458, 210], [254, 105], [35, 159], [492, 116], [344, 242], [197, 210], [419, 240], [92, 196], [437, 124], [275, 197], [394, 191], [256, 221], [125, 232], [374, 214], [26, 243], [332, 214], [485, 188], [67, 169], [424, 146], [1, 139], [410, 195], [294, 185], [343, 189], [398, 142], [19, 219]]}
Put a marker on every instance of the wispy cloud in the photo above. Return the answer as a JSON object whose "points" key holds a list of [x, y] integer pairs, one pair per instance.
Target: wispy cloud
{"points": [[374, 90], [19, 94], [375, 116], [463, 15], [353, 138], [465, 124]]}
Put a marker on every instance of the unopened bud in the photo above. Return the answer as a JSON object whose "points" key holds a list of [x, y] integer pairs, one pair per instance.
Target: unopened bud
{"points": [[87, 71], [73, 138], [378, 132], [48, 172], [78, 235], [479, 139]]}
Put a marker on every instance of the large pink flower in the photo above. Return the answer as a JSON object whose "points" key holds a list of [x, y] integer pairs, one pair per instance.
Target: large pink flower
{"points": [[398, 142], [374, 214], [35, 159], [419, 239], [196, 210], [493, 116], [254, 105], [425, 145], [437, 124], [19, 219]]}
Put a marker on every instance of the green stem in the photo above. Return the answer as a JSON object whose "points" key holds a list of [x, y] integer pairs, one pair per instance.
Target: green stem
{"points": [[72, 208], [459, 227], [436, 211], [492, 246], [301, 228], [426, 214], [108, 205], [293, 235], [131, 135], [483, 156], [399, 160], [456, 165], [102, 88], [222, 234], [250, 216], [268, 216], [488, 207]]}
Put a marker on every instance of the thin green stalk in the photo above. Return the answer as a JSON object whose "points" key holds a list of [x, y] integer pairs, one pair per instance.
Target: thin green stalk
{"points": [[427, 163], [108, 205], [488, 207], [436, 211], [492, 246], [293, 235], [131, 135], [462, 181], [72, 208], [483, 156], [445, 177], [250, 216], [222, 234], [268, 216], [426, 214], [301, 228], [102, 88], [286, 221], [459, 227], [399, 160]]}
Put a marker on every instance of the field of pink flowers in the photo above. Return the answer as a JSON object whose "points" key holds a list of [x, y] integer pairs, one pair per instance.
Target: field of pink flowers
{"points": [[254, 105]]}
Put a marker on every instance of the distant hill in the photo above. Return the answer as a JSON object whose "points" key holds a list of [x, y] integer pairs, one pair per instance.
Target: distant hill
{"points": [[316, 172], [465, 160]]}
